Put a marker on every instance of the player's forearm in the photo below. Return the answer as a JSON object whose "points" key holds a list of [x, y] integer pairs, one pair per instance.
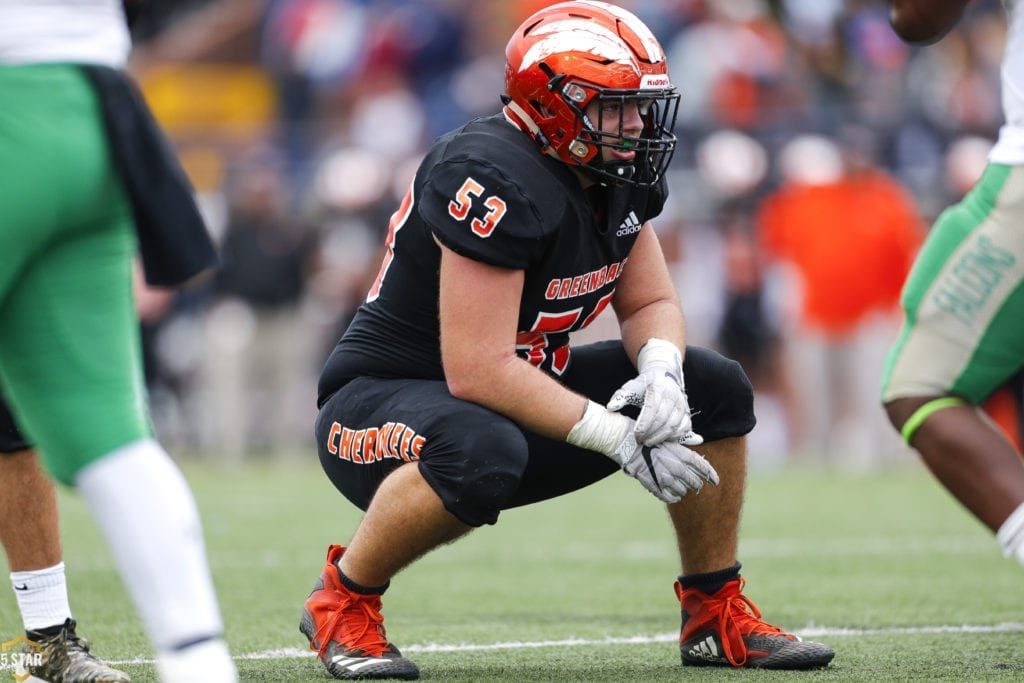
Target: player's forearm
{"points": [[924, 21], [645, 302], [661, 319], [526, 395]]}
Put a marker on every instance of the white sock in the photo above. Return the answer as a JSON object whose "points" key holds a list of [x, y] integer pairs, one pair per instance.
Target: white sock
{"points": [[42, 597], [146, 511], [1011, 534]]}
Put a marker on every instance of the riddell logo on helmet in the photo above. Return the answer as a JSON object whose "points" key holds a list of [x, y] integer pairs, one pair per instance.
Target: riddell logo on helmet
{"points": [[655, 81]]}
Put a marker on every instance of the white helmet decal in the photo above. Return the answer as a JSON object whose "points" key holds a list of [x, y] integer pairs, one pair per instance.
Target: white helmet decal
{"points": [[638, 27], [577, 36]]}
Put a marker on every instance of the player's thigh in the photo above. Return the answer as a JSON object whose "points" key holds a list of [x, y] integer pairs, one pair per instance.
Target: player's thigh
{"points": [[556, 467], [51, 153], [69, 350], [471, 457], [964, 298], [76, 381]]}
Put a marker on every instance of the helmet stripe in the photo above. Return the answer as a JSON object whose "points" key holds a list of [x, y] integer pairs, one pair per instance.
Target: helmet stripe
{"points": [[576, 36], [651, 44]]}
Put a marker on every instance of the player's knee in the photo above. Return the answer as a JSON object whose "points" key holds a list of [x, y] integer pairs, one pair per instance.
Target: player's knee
{"points": [[897, 413], [739, 407], [738, 386], [908, 415], [722, 398], [478, 483]]}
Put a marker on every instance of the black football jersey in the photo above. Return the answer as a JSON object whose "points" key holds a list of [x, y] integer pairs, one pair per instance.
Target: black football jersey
{"points": [[487, 192]]}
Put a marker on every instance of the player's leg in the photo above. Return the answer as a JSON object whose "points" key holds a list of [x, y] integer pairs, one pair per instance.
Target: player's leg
{"points": [[378, 554], [29, 527], [70, 362], [427, 468], [964, 301], [720, 626], [30, 535]]}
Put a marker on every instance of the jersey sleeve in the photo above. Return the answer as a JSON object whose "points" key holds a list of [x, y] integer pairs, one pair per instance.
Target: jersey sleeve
{"points": [[480, 211]]}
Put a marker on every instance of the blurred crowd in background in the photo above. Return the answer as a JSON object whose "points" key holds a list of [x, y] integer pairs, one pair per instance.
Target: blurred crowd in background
{"points": [[815, 150]]}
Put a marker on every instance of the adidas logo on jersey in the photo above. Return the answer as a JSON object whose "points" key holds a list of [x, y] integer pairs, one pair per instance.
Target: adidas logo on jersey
{"points": [[629, 226], [706, 649]]}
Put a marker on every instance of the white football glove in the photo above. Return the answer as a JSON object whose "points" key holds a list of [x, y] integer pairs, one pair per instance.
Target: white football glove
{"points": [[669, 470], [658, 392]]}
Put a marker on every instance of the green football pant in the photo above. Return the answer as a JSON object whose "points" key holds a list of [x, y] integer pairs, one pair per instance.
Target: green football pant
{"points": [[70, 362], [964, 298]]}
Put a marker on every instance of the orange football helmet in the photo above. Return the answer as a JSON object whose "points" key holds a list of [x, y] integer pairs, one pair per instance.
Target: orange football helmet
{"points": [[563, 57]]}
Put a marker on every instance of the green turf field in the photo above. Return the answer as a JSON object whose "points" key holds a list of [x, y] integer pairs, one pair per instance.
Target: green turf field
{"points": [[884, 567]]}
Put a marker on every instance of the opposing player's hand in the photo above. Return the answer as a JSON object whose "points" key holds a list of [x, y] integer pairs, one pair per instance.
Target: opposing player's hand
{"points": [[669, 470], [659, 393]]}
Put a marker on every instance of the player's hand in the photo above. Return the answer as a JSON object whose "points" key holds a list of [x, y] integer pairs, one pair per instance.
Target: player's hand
{"points": [[669, 470], [659, 393]]}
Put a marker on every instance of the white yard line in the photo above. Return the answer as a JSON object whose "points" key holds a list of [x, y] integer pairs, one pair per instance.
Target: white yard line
{"points": [[809, 632]]}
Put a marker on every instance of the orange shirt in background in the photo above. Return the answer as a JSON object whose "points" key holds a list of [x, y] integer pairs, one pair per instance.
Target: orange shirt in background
{"points": [[851, 242]]}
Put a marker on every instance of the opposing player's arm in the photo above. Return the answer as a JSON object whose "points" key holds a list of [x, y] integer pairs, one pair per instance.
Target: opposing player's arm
{"points": [[645, 300], [479, 308], [924, 21]]}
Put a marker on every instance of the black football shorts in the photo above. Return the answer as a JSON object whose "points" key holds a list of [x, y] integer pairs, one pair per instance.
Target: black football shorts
{"points": [[480, 462], [11, 439]]}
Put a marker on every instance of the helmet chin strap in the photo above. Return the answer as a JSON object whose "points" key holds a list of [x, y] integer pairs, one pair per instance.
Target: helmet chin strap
{"points": [[621, 171], [524, 118]]}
